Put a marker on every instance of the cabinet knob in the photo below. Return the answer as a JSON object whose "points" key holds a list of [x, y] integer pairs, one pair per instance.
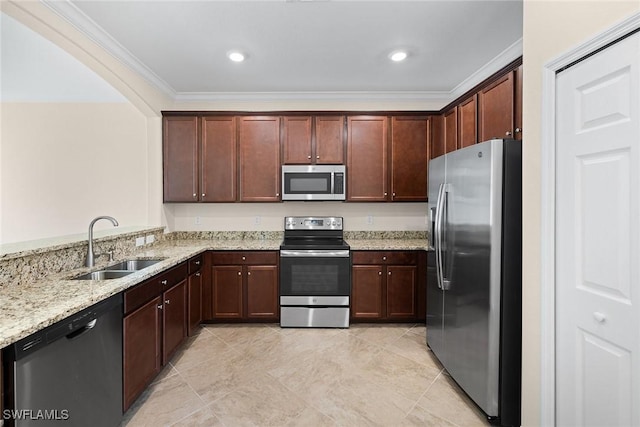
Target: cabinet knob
{"points": [[195, 195], [600, 317], [384, 258], [163, 282], [202, 194], [518, 130], [393, 194], [167, 301], [385, 193], [317, 157], [308, 157], [196, 262], [389, 273], [249, 273], [277, 194], [239, 273], [508, 133], [198, 274], [244, 258], [379, 273], [160, 307]]}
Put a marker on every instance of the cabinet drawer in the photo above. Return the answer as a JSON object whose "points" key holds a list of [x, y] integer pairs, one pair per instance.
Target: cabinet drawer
{"points": [[141, 294], [245, 257], [172, 277], [195, 264], [384, 257]]}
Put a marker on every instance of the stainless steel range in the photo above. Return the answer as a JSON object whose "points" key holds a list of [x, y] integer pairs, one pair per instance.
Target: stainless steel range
{"points": [[315, 273]]}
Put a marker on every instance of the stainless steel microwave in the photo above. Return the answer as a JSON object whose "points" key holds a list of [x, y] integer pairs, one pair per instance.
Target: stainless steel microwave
{"points": [[313, 182]]}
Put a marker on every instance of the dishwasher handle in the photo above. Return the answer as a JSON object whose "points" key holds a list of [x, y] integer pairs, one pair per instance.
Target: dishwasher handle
{"points": [[86, 328]]}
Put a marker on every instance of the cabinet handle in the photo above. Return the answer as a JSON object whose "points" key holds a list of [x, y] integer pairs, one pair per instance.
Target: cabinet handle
{"points": [[309, 157], [249, 273], [163, 282], [317, 157], [385, 193], [195, 195], [384, 258], [389, 273], [167, 301], [393, 194], [202, 194], [197, 262], [244, 258], [160, 307], [198, 274], [277, 194], [518, 130], [239, 273], [379, 273], [508, 133]]}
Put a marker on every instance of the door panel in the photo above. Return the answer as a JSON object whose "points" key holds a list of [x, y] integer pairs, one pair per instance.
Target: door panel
{"points": [[227, 291], [366, 298], [597, 239], [218, 160], [401, 291], [329, 140], [262, 291]]}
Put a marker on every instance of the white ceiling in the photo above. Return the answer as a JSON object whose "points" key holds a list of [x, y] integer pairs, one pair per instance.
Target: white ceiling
{"points": [[332, 46]]}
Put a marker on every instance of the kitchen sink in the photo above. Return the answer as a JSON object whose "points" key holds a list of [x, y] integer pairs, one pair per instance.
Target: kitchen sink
{"points": [[121, 269], [133, 264], [104, 275]]}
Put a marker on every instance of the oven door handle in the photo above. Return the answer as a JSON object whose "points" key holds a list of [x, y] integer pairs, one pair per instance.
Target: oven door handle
{"points": [[315, 253]]}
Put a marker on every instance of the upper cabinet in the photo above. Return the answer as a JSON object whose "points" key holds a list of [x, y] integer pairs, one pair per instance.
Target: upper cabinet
{"points": [[367, 158], [313, 140], [468, 121], [180, 159], [409, 158], [218, 160], [497, 109], [259, 145], [451, 130]]}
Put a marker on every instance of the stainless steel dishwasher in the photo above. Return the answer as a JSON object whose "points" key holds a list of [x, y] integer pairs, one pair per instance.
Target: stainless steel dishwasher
{"points": [[71, 372]]}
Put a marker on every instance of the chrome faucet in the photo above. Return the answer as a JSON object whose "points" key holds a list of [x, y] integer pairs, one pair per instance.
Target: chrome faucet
{"points": [[90, 255]]}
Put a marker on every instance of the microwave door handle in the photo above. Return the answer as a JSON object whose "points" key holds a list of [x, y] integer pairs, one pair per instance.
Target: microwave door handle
{"points": [[333, 178]]}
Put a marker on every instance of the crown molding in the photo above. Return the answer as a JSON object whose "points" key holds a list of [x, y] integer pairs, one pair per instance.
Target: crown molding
{"points": [[70, 13], [319, 96], [508, 55]]}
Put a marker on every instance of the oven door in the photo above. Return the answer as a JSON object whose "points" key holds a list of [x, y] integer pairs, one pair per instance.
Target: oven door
{"points": [[315, 273]]}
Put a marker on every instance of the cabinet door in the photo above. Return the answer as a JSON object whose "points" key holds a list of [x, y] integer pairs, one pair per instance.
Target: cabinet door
{"points": [[451, 130], [329, 133], [367, 159], [437, 136], [218, 160], [401, 291], [259, 159], [296, 140], [467, 119], [227, 291], [409, 146], [262, 291], [174, 319], [496, 108], [180, 158], [194, 302], [517, 107], [366, 292], [141, 349]]}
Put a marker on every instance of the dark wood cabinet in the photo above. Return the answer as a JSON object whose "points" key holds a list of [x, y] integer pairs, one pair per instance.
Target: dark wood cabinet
{"points": [[450, 127], [409, 158], [142, 341], [386, 286], [194, 295], [517, 131], [218, 157], [245, 285], [313, 140], [437, 136], [259, 144], [496, 108], [180, 158], [154, 326], [367, 173], [468, 121]]}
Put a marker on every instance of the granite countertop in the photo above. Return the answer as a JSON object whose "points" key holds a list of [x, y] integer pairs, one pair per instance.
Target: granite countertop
{"points": [[25, 309]]}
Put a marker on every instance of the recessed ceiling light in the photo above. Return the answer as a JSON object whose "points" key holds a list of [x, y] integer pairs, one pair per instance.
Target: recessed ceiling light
{"points": [[398, 55], [236, 56]]}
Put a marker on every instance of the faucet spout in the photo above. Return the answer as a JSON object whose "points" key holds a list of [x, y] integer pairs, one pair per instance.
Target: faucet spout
{"points": [[90, 254]]}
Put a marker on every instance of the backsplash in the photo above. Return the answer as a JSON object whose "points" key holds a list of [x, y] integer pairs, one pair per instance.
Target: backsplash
{"points": [[31, 265], [224, 235], [419, 234]]}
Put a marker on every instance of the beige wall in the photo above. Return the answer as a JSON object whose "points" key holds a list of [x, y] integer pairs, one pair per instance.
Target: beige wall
{"points": [[550, 29], [64, 164]]}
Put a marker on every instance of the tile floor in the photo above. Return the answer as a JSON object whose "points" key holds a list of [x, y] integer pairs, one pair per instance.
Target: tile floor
{"points": [[262, 375]]}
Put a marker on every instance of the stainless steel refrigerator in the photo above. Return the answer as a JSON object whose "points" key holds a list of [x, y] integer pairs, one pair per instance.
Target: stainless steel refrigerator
{"points": [[474, 267]]}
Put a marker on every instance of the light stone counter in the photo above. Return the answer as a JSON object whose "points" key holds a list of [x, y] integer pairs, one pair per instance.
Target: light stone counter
{"points": [[29, 307]]}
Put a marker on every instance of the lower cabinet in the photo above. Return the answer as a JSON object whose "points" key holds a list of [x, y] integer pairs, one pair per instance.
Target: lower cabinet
{"points": [[387, 285], [154, 326], [244, 285], [194, 295]]}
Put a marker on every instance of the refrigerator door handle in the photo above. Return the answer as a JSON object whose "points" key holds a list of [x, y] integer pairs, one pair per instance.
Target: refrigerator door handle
{"points": [[438, 235], [444, 282]]}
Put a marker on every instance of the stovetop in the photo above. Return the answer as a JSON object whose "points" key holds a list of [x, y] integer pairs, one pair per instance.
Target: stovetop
{"points": [[320, 233], [314, 243]]}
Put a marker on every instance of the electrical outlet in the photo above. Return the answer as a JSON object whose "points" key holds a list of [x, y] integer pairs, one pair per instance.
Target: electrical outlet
{"points": [[198, 220], [257, 220], [370, 219], [139, 241], [150, 238]]}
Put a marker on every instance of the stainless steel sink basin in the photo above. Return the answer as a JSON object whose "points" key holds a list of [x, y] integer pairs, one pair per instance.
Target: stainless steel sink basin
{"points": [[104, 275], [133, 264]]}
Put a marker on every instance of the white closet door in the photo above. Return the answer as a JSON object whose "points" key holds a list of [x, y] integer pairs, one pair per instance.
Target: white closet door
{"points": [[597, 237]]}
